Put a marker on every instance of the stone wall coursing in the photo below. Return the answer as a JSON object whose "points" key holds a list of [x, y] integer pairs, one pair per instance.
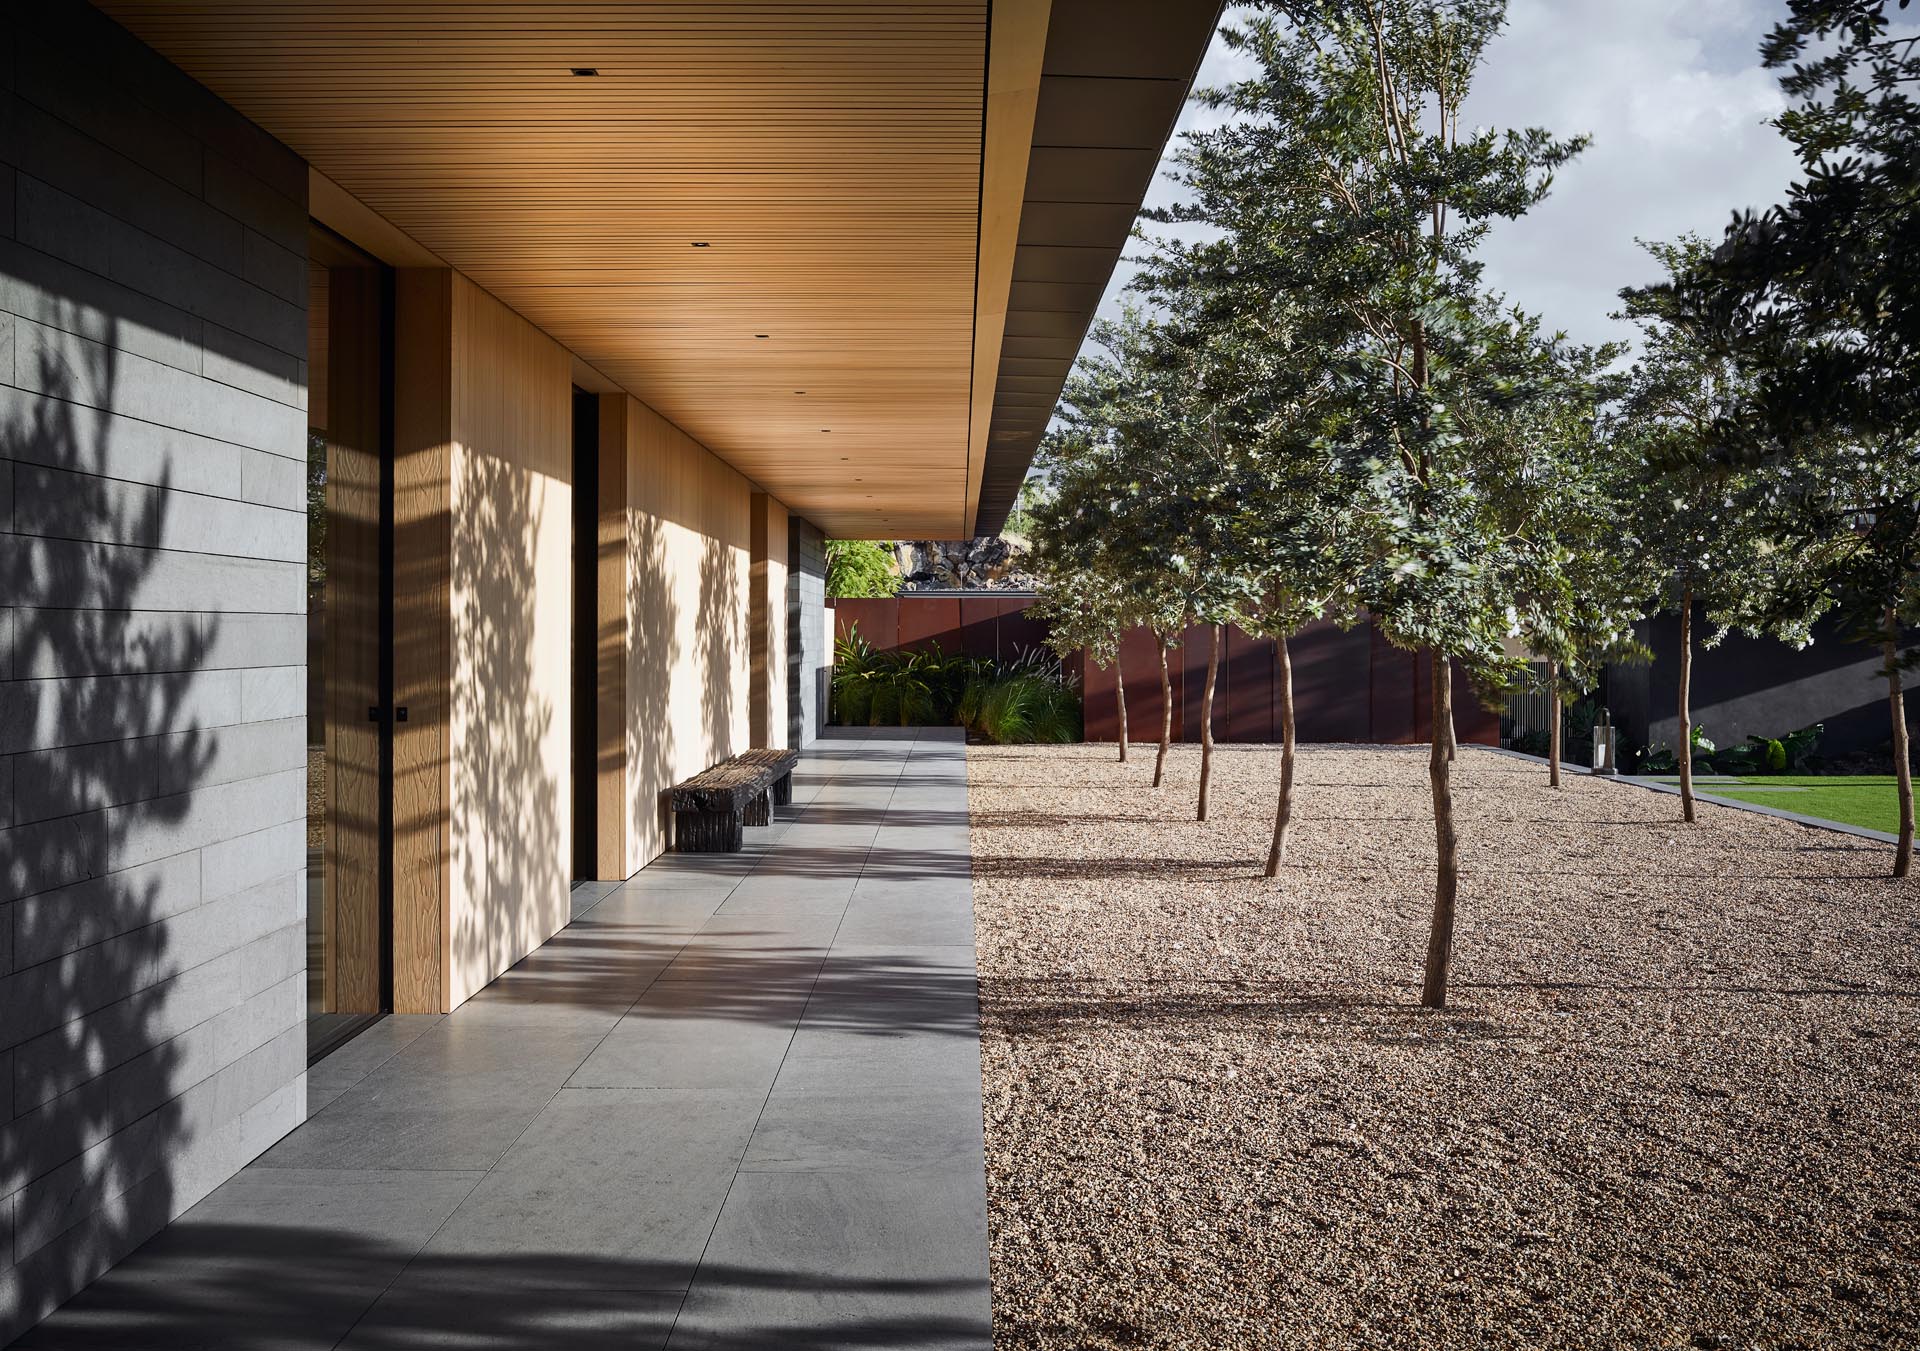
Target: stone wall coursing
{"points": [[998, 563], [152, 647]]}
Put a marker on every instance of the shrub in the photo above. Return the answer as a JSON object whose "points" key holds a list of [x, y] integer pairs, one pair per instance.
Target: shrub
{"points": [[1028, 699], [1659, 759], [1793, 753], [859, 569]]}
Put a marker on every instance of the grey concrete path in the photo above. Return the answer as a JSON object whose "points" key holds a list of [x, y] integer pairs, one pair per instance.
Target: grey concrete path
{"points": [[735, 1104]]}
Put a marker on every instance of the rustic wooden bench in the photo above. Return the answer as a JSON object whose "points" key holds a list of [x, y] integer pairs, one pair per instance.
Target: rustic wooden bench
{"points": [[711, 808]]}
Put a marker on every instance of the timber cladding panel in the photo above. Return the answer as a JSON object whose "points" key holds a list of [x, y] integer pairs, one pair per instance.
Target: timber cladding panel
{"points": [[482, 608], [422, 633], [767, 622], [153, 781], [610, 644], [807, 647], [688, 591], [510, 589]]}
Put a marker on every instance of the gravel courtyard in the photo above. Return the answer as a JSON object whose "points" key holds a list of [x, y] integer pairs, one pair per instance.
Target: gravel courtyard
{"points": [[1673, 1102]]}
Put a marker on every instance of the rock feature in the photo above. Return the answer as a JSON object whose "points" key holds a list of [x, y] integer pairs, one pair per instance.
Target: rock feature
{"points": [[996, 564]]}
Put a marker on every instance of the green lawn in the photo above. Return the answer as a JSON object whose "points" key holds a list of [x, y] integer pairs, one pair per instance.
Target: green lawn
{"points": [[1852, 799]]}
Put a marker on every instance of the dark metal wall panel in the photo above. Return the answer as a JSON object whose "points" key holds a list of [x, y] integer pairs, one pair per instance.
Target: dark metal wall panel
{"points": [[1329, 668], [1349, 684], [877, 621], [1249, 668], [935, 619]]}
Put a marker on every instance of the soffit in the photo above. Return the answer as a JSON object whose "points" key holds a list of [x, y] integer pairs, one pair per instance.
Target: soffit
{"points": [[1115, 75], [829, 154]]}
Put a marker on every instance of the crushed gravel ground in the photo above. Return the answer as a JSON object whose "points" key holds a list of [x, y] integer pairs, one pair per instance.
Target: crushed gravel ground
{"points": [[1672, 1103]]}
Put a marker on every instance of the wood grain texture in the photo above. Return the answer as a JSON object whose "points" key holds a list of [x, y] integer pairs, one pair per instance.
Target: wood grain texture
{"points": [[830, 154], [687, 593], [610, 643], [1013, 96], [509, 818], [351, 303], [767, 622], [422, 635]]}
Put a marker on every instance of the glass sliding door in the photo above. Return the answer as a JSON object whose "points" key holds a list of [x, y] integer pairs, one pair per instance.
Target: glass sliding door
{"points": [[349, 551]]}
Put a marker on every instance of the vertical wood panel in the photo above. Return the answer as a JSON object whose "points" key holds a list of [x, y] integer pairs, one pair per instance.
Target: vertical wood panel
{"points": [[767, 621], [511, 583], [688, 601], [610, 711], [352, 673], [422, 634]]}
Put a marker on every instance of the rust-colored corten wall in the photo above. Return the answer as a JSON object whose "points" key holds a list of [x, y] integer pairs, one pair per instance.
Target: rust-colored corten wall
{"points": [[1348, 685]]}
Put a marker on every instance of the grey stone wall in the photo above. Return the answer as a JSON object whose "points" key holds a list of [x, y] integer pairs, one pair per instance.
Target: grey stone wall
{"points": [[152, 655], [1758, 687], [807, 657]]}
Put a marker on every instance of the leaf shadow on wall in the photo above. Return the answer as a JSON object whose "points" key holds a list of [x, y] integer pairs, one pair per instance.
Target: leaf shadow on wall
{"points": [[508, 841], [723, 645], [101, 715], [651, 652]]}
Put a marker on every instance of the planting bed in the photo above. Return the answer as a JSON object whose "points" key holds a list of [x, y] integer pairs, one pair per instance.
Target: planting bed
{"points": [[1673, 1102]]}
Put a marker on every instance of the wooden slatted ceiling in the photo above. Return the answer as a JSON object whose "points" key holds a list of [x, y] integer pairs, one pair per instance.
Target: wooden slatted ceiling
{"points": [[829, 153]]}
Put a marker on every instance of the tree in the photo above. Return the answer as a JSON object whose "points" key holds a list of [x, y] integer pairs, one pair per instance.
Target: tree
{"points": [[1819, 297], [1085, 603], [1143, 466], [1844, 525], [1290, 552], [1296, 520], [1033, 491], [1699, 520], [1359, 202], [1092, 512], [1576, 590], [860, 569]]}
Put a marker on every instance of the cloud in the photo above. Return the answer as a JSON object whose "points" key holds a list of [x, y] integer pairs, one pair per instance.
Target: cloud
{"points": [[1677, 105], [1676, 102]]}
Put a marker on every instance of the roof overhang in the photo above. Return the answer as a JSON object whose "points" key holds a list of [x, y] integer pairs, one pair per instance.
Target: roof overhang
{"points": [[1115, 76], [850, 247]]}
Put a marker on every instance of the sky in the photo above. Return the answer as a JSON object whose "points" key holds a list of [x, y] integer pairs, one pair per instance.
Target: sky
{"points": [[1676, 102]]}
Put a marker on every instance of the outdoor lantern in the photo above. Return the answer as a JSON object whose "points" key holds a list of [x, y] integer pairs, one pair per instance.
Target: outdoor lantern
{"points": [[1603, 744]]}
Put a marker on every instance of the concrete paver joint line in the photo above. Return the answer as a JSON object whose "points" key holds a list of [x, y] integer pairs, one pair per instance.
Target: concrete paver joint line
{"points": [[676, 1123]]}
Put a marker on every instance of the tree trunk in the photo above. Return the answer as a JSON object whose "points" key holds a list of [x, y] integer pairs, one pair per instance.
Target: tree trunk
{"points": [[1120, 698], [1206, 717], [1686, 710], [1902, 757], [1283, 810], [1166, 714], [1446, 884], [1445, 670], [1553, 724]]}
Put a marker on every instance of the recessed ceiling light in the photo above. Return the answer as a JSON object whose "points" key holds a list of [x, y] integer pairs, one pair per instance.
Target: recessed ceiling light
{"points": [[701, 244], [826, 429], [585, 70], [799, 391], [759, 335]]}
